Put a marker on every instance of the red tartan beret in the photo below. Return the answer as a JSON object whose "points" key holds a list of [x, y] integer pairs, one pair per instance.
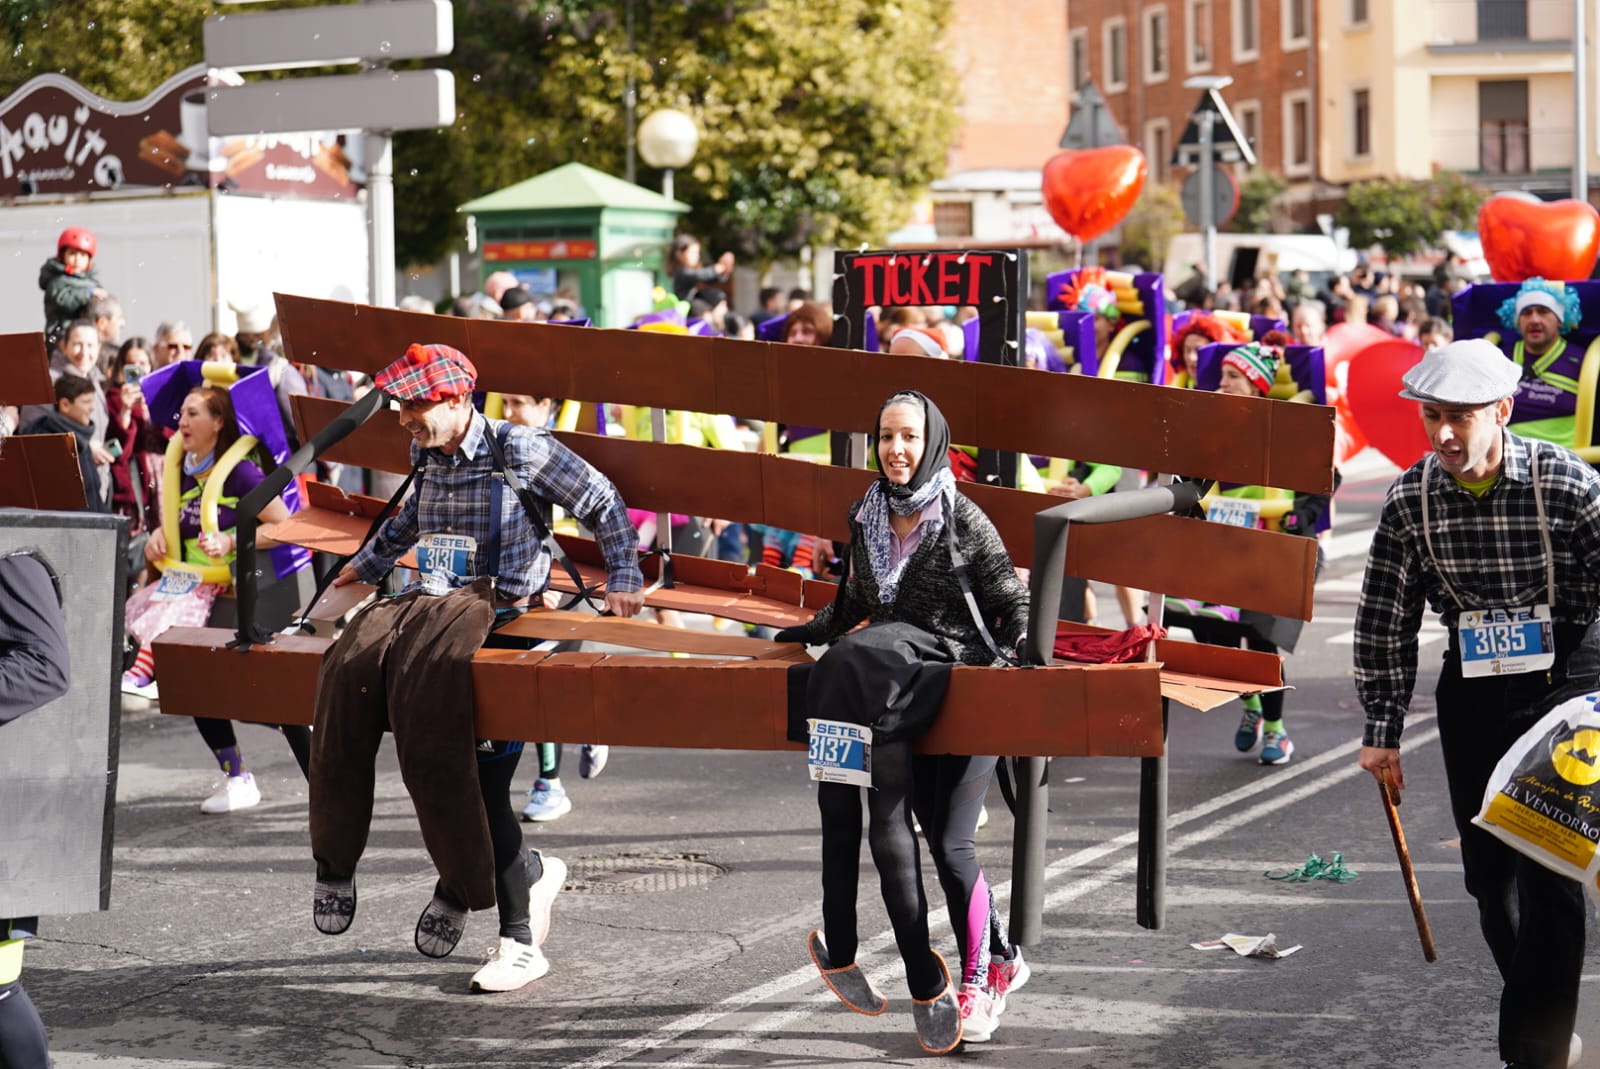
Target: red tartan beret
{"points": [[428, 373]]}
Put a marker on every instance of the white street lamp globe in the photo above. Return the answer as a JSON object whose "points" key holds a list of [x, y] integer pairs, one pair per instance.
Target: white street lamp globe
{"points": [[668, 138]]}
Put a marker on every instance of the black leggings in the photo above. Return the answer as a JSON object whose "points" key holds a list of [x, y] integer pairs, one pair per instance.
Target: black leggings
{"points": [[514, 869], [948, 794], [894, 852], [23, 1044], [1272, 701], [219, 736]]}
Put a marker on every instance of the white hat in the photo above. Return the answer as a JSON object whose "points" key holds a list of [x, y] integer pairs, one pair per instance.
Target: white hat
{"points": [[253, 318], [1467, 372], [1538, 298]]}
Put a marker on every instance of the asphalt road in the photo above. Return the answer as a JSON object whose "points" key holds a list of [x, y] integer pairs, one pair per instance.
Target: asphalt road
{"points": [[680, 940]]}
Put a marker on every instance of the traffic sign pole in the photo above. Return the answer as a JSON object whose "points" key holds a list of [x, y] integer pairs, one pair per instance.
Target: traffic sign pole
{"points": [[380, 219]]}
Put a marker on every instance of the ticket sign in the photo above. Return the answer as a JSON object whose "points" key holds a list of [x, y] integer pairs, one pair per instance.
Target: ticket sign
{"points": [[839, 752], [1506, 641]]}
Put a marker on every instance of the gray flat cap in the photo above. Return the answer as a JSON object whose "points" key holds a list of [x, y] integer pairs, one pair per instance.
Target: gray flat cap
{"points": [[1468, 372]]}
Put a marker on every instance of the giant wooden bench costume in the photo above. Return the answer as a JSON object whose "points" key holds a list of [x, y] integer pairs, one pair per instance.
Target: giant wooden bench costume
{"points": [[736, 698]]}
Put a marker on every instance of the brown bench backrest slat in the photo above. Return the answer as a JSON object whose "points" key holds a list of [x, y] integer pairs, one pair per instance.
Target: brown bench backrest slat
{"points": [[1252, 569], [40, 471], [25, 370], [1270, 443], [1098, 710]]}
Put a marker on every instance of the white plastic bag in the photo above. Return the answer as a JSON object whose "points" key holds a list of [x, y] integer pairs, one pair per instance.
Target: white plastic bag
{"points": [[1544, 796]]}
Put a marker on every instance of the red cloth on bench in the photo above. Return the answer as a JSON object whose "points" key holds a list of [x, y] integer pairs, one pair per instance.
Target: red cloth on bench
{"points": [[1129, 645]]}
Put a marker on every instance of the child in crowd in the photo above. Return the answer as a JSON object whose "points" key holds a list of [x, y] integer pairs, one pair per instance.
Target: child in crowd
{"points": [[68, 281], [74, 415]]}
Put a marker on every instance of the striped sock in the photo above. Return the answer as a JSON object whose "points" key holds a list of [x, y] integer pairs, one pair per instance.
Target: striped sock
{"points": [[144, 667]]}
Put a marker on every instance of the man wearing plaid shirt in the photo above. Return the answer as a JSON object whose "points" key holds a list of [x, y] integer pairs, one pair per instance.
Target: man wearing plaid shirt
{"points": [[406, 663], [1486, 521]]}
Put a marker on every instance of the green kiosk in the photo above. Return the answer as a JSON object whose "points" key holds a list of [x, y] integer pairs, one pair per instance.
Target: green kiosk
{"points": [[580, 228]]}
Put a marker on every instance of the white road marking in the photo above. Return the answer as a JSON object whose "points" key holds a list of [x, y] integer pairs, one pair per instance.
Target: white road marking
{"points": [[741, 1036]]}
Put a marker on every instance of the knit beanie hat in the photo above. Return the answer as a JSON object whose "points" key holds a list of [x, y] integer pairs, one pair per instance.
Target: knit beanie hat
{"points": [[1255, 362]]}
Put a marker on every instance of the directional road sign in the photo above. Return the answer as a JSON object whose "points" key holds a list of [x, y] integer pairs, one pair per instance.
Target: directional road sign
{"points": [[325, 36], [1092, 124], [376, 100], [1227, 141]]}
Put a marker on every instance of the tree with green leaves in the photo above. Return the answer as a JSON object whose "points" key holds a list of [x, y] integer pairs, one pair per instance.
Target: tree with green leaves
{"points": [[1256, 194], [819, 123], [1156, 218], [1406, 215]]}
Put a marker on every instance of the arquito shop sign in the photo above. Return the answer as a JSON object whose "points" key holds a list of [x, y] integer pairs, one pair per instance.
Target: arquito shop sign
{"points": [[56, 138]]}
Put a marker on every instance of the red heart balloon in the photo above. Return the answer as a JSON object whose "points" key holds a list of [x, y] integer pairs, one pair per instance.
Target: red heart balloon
{"points": [[1390, 423], [1089, 191], [1524, 237]]}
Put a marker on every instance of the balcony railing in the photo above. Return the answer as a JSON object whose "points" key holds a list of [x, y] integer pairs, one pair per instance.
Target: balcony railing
{"points": [[1498, 22], [1505, 148]]}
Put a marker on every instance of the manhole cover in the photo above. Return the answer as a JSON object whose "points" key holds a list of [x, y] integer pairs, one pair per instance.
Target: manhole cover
{"points": [[637, 875]]}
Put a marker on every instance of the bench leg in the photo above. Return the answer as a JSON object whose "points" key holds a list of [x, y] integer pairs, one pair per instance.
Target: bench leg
{"points": [[1151, 881], [1027, 851]]}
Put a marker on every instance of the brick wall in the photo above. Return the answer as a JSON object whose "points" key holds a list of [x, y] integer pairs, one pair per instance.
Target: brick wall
{"points": [[1011, 59], [1263, 80]]}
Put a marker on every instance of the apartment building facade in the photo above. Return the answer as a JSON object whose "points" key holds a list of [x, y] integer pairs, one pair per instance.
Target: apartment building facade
{"points": [[1484, 87], [1138, 53]]}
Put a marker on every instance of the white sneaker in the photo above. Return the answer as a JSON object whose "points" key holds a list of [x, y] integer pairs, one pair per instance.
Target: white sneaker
{"points": [[546, 801], [1574, 1050], [234, 792], [147, 691], [542, 895], [592, 759], [510, 966], [978, 1016]]}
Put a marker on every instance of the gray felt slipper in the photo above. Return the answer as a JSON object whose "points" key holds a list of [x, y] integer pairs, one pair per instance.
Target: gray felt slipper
{"points": [[939, 1018], [846, 981]]}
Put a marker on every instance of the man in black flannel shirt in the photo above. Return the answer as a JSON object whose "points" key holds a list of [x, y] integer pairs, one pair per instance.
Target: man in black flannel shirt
{"points": [[1501, 536]]}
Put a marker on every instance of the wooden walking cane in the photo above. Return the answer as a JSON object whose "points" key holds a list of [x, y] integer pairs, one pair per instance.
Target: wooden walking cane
{"points": [[1390, 801]]}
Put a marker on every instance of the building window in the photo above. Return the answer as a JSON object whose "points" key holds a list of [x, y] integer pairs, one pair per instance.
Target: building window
{"points": [[1502, 20], [1248, 115], [1197, 34], [1156, 57], [1297, 132], [1158, 148], [1114, 50], [1358, 12], [1246, 30], [952, 218], [1078, 57], [1503, 127], [1296, 23], [1361, 123]]}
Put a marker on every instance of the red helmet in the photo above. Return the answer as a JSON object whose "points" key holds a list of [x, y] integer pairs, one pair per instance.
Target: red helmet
{"points": [[76, 237]]}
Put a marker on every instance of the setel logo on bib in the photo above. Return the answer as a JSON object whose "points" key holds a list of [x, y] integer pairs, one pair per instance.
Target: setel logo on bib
{"points": [[1505, 642], [177, 581], [444, 561], [1234, 511], [839, 753]]}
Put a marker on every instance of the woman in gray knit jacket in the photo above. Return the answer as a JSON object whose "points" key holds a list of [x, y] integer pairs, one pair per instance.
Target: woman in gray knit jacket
{"points": [[908, 536]]}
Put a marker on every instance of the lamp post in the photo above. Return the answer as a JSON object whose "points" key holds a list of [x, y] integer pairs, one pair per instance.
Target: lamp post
{"points": [[667, 139]]}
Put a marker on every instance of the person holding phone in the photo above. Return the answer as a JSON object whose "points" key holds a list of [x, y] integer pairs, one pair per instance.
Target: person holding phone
{"points": [[136, 446]]}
